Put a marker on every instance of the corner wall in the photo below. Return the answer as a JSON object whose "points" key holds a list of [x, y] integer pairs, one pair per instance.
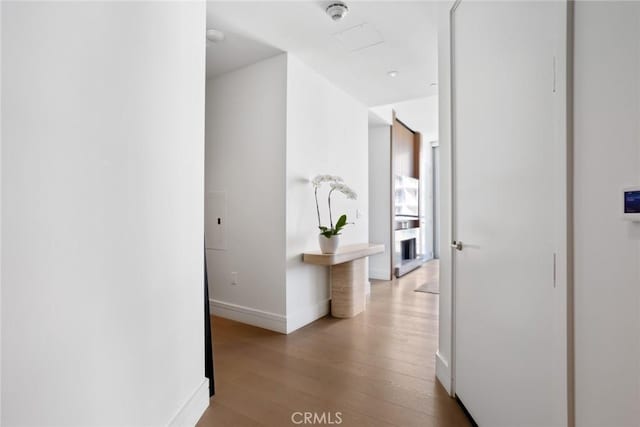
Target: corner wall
{"points": [[271, 127], [327, 132], [102, 213], [245, 158], [380, 200], [607, 248]]}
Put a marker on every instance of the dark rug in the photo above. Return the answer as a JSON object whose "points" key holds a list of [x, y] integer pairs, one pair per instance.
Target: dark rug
{"points": [[429, 288]]}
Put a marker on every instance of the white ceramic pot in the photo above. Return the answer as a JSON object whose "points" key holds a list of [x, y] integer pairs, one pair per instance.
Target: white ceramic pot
{"points": [[328, 245]]}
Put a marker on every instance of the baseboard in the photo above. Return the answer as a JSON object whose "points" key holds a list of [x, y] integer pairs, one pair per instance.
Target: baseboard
{"points": [[192, 410], [307, 315], [251, 316], [379, 274], [443, 372]]}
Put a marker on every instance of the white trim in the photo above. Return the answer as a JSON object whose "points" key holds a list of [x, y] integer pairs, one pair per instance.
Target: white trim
{"points": [[307, 315], [239, 313], [379, 274], [443, 372], [452, 198], [189, 414]]}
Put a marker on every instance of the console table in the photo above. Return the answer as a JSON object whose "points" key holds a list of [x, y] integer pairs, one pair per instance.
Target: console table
{"points": [[348, 276]]}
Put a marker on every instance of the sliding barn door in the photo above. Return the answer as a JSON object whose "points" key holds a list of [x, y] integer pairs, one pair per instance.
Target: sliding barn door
{"points": [[509, 163]]}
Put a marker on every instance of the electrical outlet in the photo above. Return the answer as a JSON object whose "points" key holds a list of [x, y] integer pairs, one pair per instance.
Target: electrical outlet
{"points": [[234, 277]]}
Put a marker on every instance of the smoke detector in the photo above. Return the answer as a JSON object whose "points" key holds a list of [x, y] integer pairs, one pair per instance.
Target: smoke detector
{"points": [[337, 10]]}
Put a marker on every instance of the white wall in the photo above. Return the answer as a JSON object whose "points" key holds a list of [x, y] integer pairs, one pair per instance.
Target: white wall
{"points": [[271, 127], [607, 249], [426, 199], [421, 115], [380, 200], [326, 133], [381, 115], [435, 165], [0, 212], [246, 137], [102, 223], [443, 356]]}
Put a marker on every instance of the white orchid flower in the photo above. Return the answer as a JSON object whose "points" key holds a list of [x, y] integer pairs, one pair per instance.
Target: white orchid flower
{"points": [[344, 189], [336, 183], [319, 179]]}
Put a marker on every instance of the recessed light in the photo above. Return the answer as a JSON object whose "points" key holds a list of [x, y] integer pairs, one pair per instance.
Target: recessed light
{"points": [[392, 73], [433, 84], [215, 36]]}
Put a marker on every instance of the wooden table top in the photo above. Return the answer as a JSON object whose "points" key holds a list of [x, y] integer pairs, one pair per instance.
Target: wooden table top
{"points": [[344, 254]]}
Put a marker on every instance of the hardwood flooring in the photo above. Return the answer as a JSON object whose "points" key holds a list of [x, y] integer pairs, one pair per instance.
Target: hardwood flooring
{"points": [[376, 369]]}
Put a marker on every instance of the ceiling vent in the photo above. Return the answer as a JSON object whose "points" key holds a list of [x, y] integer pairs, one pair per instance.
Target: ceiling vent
{"points": [[337, 10], [360, 37]]}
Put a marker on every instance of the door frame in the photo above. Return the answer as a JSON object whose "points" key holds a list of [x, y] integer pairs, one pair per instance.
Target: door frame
{"points": [[435, 197], [564, 233], [452, 180]]}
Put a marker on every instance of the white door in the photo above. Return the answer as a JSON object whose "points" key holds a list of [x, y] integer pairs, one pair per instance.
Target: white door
{"points": [[509, 200]]}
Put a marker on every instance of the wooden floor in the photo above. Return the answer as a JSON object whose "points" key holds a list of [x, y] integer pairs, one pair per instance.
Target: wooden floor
{"points": [[376, 369]]}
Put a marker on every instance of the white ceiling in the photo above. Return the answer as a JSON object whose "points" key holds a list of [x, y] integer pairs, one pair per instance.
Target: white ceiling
{"points": [[420, 115], [235, 51], [390, 35]]}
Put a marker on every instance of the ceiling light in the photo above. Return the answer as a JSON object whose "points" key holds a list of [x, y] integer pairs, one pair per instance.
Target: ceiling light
{"points": [[392, 73], [337, 10], [215, 36], [433, 84]]}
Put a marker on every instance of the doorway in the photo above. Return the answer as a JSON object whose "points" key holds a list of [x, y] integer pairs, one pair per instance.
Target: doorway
{"points": [[509, 206], [291, 102]]}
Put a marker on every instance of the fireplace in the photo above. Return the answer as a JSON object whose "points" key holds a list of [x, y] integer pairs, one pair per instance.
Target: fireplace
{"points": [[408, 249], [407, 252]]}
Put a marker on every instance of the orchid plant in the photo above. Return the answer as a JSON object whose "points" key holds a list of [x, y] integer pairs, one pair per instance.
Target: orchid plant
{"points": [[336, 184]]}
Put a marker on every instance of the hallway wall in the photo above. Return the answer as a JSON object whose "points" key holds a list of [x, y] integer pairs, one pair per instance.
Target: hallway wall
{"points": [[380, 199], [607, 248], [245, 159], [102, 183], [271, 127], [326, 133]]}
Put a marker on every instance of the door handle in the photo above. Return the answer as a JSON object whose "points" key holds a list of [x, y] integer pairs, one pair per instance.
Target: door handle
{"points": [[457, 245]]}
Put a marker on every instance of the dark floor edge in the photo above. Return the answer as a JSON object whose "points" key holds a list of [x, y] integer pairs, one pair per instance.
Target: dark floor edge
{"points": [[466, 412]]}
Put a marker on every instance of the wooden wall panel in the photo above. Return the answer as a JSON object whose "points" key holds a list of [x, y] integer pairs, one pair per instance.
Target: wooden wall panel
{"points": [[404, 153]]}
